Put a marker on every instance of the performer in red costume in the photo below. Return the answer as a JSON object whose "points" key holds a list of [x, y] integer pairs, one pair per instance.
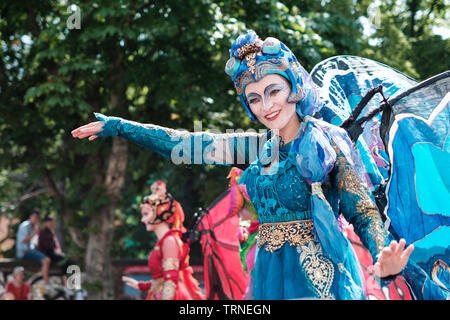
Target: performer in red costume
{"points": [[168, 262]]}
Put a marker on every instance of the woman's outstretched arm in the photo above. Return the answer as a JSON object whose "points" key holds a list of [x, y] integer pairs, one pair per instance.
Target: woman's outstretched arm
{"points": [[181, 146]]}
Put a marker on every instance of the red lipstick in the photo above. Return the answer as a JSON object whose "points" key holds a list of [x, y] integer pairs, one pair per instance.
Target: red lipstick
{"points": [[272, 116]]}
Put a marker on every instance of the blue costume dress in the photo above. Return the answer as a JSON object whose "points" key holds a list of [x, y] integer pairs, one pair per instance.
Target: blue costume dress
{"points": [[312, 180]]}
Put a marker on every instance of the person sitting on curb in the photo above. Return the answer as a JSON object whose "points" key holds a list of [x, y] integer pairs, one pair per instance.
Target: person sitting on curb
{"points": [[49, 245], [18, 287], [24, 250]]}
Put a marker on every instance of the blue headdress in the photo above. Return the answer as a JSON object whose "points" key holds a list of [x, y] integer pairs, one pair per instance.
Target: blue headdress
{"points": [[251, 59]]}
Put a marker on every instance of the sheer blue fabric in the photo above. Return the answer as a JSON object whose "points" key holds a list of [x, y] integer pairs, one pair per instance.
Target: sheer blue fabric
{"points": [[184, 147]]}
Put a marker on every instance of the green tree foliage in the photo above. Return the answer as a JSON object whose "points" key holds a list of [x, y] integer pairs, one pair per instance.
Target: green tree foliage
{"points": [[160, 62], [404, 36]]}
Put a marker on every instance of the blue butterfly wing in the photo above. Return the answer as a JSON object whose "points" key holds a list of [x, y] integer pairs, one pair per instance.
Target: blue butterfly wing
{"points": [[412, 155], [342, 81]]}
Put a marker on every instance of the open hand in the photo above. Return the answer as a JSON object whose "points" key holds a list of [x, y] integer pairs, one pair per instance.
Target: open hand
{"points": [[88, 130], [133, 283], [393, 259], [59, 252]]}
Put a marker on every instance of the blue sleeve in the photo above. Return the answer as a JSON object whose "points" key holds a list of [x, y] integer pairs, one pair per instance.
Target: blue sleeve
{"points": [[184, 147], [22, 232], [358, 206]]}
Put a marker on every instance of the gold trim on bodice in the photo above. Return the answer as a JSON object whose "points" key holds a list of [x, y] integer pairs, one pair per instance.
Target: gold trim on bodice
{"points": [[170, 263]]}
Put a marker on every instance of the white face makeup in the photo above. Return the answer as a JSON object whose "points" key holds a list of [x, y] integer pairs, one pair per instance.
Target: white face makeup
{"points": [[147, 216], [161, 191], [267, 99]]}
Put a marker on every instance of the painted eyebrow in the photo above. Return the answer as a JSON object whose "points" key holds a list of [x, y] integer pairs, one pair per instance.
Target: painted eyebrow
{"points": [[279, 86]]}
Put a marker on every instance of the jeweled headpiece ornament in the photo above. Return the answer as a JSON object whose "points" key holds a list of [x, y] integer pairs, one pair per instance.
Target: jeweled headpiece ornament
{"points": [[251, 59], [156, 184], [248, 52]]}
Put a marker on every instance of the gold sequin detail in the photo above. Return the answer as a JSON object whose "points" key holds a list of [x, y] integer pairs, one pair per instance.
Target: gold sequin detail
{"points": [[156, 286], [170, 264], [169, 289], [275, 235], [249, 49], [260, 70], [316, 188], [349, 182], [318, 268], [251, 61]]}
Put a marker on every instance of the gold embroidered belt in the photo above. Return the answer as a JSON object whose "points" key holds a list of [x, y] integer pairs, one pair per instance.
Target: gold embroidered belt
{"points": [[275, 235]]}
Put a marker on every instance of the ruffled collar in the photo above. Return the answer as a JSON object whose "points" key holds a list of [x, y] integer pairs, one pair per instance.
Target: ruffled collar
{"points": [[284, 152]]}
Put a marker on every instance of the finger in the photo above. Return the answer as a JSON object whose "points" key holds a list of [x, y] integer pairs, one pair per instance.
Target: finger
{"points": [[393, 245], [92, 138], [86, 132], [80, 133], [400, 247], [386, 252], [406, 254], [377, 269], [90, 127], [75, 133], [79, 129]]}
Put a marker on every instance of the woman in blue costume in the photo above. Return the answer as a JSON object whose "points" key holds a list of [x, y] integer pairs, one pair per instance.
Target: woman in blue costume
{"points": [[302, 175]]}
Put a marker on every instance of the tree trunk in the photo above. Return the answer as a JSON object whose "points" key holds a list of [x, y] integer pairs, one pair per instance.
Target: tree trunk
{"points": [[99, 275]]}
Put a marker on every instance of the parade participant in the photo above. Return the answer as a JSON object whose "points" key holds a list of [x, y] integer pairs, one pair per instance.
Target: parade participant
{"points": [[307, 173], [164, 204], [168, 262]]}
